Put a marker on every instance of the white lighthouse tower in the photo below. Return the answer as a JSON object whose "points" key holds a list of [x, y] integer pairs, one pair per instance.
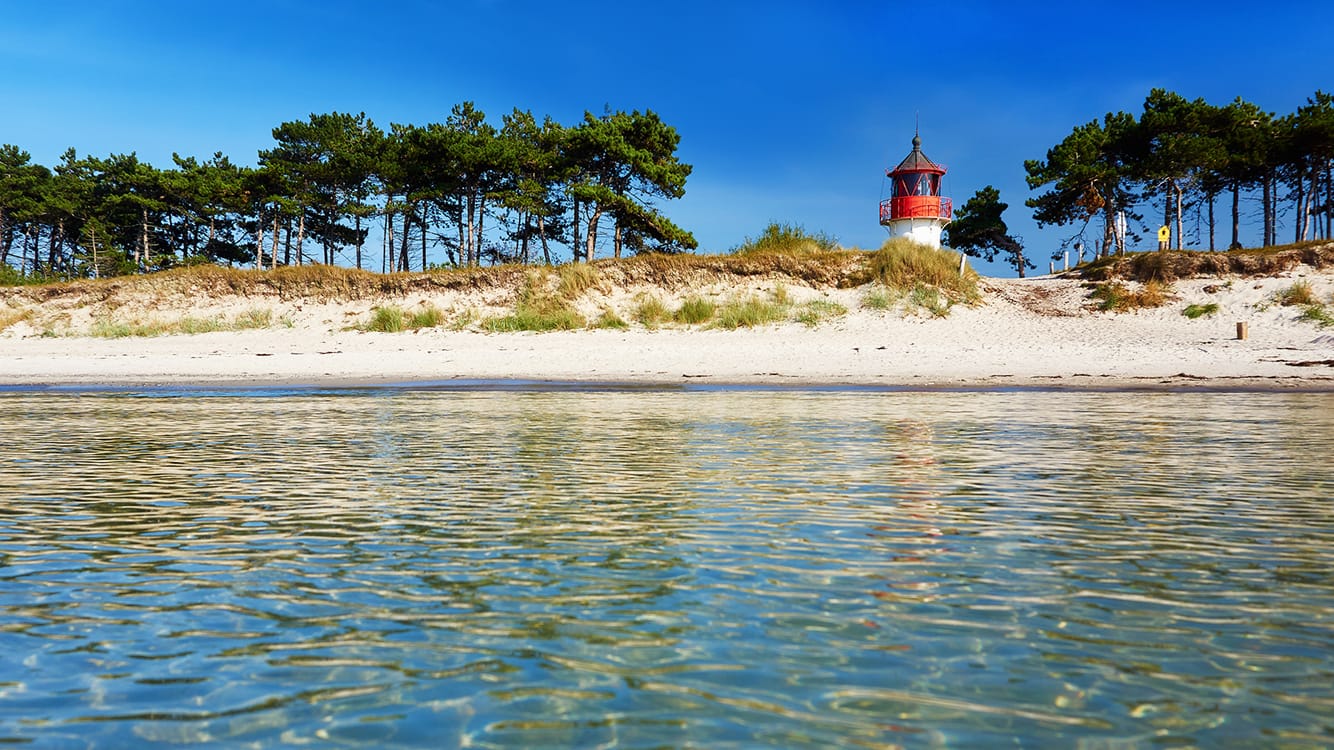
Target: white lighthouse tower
{"points": [[915, 208]]}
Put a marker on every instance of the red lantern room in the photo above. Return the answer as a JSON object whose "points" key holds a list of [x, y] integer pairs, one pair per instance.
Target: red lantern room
{"points": [[915, 208]]}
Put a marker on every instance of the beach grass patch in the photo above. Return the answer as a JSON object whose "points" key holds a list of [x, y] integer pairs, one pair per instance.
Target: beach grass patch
{"points": [[577, 278], [817, 311], [1200, 311], [609, 319], [427, 316], [928, 299], [786, 239], [696, 310], [1318, 314], [879, 298], [1115, 296], [1300, 293], [385, 320], [650, 311], [538, 320], [12, 317], [902, 264], [750, 311]]}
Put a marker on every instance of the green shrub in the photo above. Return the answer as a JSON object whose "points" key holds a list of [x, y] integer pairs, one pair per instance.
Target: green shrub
{"points": [[1200, 311]]}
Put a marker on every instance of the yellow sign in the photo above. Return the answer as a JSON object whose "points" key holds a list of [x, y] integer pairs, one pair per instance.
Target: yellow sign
{"points": [[1164, 234]]}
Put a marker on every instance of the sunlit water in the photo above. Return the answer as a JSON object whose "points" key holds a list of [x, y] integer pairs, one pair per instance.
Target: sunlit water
{"points": [[651, 568]]}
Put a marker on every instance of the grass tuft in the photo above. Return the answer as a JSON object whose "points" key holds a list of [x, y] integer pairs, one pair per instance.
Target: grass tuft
{"points": [[696, 310], [609, 319], [1300, 293], [749, 312], [879, 298], [650, 311], [903, 265], [786, 239], [1316, 313], [1115, 296], [817, 311], [1200, 311]]}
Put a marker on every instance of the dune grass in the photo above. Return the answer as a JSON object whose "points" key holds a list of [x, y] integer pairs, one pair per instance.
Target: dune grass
{"points": [[695, 311], [817, 311], [109, 327], [1200, 311], [905, 266], [393, 319], [786, 239], [650, 311], [1300, 293], [1115, 296], [750, 311], [537, 308]]}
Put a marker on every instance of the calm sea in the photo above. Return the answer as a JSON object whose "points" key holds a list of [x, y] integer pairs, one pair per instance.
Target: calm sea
{"points": [[649, 568]]}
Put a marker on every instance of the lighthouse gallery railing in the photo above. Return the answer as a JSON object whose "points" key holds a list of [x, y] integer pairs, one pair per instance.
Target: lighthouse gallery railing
{"points": [[915, 207]]}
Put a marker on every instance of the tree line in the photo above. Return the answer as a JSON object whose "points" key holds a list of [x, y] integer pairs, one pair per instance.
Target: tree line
{"points": [[463, 188], [1179, 156]]}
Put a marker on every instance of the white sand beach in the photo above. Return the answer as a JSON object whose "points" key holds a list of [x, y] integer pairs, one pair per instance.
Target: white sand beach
{"points": [[1042, 331]]}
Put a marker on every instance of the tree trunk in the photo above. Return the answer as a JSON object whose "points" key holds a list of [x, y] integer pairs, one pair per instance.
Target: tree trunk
{"points": [[1211, 221], [1267, 199], [616, 245], [481, 222], [273, 254], [1179, 191], [287, 242], [141, 259], [387, 262], [1108, 232], [591, 233], [403, 242], [5, 240], [1236, 216], [574, 229], [423, 226], [542, 235], [360, 240], [259, 241]]}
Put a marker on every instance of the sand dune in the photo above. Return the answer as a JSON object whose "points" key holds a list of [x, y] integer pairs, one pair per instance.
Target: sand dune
{"points": [[1026, 332]]}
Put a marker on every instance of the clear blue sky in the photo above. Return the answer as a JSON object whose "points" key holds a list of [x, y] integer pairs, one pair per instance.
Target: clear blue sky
{"points": [[789, 111]]}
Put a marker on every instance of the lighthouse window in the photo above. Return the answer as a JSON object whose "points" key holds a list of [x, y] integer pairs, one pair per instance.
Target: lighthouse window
{"points": [[917, 184]]}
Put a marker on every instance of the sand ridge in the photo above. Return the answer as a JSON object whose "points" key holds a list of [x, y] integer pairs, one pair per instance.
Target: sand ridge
{"points": [[1042, 331]]}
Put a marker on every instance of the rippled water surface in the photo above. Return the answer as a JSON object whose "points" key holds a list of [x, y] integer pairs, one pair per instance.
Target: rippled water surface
{"points": [[649, 568]]}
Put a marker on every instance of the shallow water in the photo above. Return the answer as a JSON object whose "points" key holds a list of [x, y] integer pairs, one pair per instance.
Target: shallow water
{"points": [[652, 568]]}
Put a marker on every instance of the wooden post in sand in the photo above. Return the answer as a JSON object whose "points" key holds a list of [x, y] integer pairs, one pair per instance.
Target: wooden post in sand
{"points": [[1243, 331]]}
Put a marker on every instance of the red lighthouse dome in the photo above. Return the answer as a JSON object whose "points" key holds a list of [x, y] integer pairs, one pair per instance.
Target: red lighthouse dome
{"points": [[915, 208]]}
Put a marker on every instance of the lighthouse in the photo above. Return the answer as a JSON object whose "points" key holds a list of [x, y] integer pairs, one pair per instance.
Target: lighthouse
{"points": [[915, 208]]}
